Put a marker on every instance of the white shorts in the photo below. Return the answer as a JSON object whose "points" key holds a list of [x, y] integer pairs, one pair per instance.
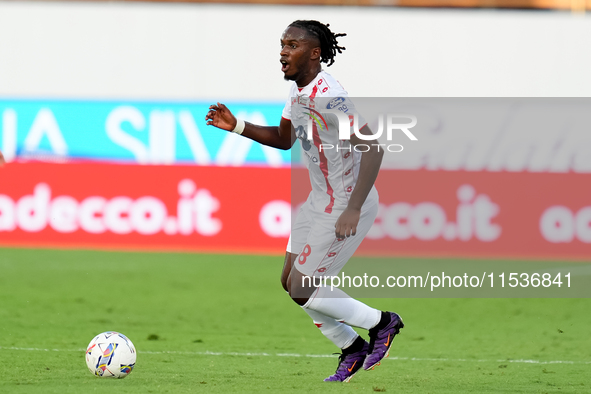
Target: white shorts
{"points": [[313, 239]]}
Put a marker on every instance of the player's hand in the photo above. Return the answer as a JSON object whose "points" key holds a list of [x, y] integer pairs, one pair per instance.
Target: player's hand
{"points": [[346, 224], [2, 161], [220, 116]]}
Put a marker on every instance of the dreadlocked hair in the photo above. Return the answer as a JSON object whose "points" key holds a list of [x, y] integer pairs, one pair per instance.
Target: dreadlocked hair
{"points": [[329, 45]]}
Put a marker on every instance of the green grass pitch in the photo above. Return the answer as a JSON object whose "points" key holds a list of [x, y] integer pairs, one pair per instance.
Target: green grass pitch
{"points": [[222, 323]]}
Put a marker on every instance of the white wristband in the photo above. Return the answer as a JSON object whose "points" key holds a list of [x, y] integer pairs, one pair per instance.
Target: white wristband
{"points": [[239, 126]]}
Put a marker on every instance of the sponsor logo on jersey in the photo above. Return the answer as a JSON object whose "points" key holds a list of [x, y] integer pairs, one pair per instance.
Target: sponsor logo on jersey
{"points": [[335, 102], [301, 134], [317, 117]]}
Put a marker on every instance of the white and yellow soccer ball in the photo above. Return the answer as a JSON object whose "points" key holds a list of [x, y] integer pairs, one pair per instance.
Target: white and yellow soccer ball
{"points": [[110, 355]]}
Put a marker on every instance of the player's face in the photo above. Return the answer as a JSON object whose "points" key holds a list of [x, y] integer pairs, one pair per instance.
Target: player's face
{"points": [[298, 54]]}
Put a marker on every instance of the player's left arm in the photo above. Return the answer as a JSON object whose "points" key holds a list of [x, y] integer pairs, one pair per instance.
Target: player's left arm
{"points": [[2, 161], [369, 167]]}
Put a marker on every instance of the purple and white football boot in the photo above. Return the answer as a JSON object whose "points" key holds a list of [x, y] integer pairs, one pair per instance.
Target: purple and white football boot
{"points": [[380, 341], [349, 364]]}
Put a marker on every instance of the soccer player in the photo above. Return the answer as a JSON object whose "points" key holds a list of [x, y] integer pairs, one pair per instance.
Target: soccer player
{"points": [[342, 205]]}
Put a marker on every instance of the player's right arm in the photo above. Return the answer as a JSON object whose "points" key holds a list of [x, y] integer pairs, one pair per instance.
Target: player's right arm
{"points": [[2, 161], [282, 137]]}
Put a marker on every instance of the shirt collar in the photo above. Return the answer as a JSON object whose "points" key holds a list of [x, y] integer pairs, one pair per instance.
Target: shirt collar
{"points": [[307, 90]]}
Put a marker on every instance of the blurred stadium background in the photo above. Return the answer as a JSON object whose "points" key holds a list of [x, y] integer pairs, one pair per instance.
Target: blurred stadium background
{"points": [[102, 108]]}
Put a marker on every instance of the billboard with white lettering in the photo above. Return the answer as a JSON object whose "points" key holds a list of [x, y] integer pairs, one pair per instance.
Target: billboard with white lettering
{"points": [[132, 132]]}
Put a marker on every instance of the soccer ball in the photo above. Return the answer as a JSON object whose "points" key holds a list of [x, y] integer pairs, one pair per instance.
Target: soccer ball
{"points": [[110, 355]]}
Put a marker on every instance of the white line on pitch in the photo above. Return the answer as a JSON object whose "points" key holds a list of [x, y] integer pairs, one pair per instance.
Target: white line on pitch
{"points": [[208, 353]]}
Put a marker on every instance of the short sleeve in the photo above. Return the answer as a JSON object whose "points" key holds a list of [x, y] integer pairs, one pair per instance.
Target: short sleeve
{"points": [[286, 114]]}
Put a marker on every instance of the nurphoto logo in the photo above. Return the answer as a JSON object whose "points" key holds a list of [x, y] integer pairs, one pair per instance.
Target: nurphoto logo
{"points": [[346, 121]]}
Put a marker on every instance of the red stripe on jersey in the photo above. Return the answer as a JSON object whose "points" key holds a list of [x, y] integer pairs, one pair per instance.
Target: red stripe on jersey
{"points": [[323, 160]]}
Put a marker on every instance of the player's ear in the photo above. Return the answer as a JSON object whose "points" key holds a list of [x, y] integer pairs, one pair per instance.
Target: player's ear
{"points": [[315, 53]]}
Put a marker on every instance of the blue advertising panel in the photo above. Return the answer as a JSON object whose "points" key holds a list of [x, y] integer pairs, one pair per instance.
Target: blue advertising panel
{"points": [[133, 132]]}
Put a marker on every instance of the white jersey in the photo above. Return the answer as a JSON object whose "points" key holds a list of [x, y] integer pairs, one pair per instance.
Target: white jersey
{"points": [[332, 163]]}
